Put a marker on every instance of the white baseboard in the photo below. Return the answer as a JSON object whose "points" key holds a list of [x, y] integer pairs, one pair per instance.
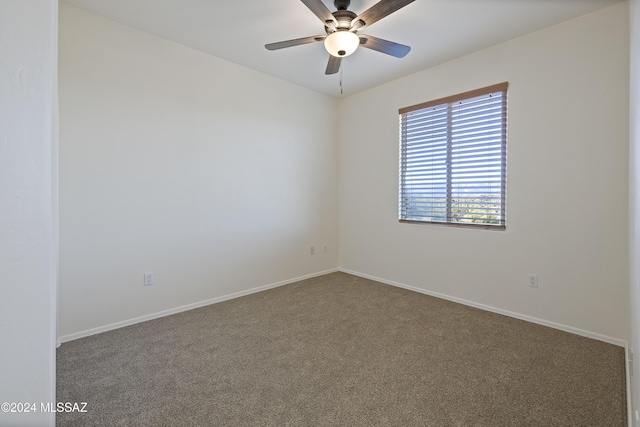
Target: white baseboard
{"points": [[112, 326], [571, 329], [117, 325], [628, 379]]}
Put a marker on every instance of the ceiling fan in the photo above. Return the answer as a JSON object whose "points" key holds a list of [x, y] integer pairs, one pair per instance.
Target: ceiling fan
{"points": [[341, 27]]}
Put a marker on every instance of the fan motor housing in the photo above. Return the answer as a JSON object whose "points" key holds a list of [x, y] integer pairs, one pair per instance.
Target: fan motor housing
{"points": [[344, 18]]}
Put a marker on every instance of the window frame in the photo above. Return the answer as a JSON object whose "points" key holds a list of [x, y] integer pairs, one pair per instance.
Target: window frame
{"points": [[449, 100]]}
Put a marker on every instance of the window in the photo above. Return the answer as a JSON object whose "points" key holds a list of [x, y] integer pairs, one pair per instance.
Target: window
{"points": [[453, 159]]}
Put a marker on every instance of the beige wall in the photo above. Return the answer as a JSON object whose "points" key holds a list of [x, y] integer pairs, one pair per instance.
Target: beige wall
{"points": [[28, 213], [634, 206], [214, 177], [149, 185], [567, 181]]}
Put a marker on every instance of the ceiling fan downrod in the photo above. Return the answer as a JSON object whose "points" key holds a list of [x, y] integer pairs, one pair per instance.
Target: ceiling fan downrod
{"points": [[342, 4]]}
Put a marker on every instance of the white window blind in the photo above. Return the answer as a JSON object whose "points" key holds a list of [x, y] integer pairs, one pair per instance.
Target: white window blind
{"points": [[453, 159]]}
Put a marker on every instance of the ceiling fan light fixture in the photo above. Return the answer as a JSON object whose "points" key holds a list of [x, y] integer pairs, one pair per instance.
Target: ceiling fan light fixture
{"points": [[341, 43]]}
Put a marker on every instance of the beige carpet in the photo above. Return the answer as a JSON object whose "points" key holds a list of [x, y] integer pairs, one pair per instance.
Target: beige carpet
{"points": [[339, 350]]}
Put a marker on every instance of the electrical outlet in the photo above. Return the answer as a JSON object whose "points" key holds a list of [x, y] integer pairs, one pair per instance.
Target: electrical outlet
{"points": [[313, 250], [148, 279], [533, 280]]}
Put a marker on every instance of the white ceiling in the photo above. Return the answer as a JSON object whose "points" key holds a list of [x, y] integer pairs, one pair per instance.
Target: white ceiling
{"points": [[436, 30]]}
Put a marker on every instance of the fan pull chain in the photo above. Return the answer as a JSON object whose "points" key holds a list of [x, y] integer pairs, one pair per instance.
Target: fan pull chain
{"points": [[341, 68]]}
